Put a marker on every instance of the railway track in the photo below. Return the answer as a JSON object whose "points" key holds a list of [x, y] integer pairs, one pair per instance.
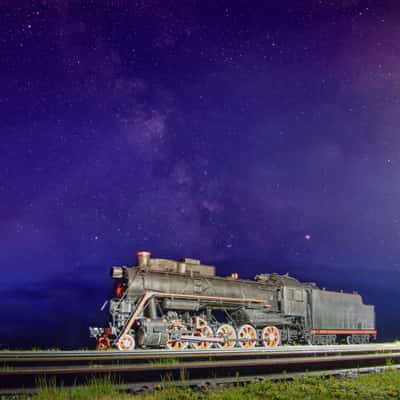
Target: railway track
{"points": [[21, 371]]}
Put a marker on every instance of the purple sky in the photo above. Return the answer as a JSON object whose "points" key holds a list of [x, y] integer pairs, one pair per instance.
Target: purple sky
{"points": [[256, 137]]}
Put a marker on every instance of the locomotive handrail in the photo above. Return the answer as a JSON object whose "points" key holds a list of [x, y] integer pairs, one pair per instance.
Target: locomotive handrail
{"points": [[149, 294]]}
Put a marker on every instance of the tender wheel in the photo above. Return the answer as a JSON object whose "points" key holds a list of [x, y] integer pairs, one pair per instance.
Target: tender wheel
{"points": [[202, 329], [271, 336], [349, 339], [103, 343], [365, 339], [247, 336], [175, 329], [228, 332], [126, 343]]}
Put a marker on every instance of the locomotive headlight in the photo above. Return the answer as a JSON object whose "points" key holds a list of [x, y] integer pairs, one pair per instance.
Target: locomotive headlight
{"points": [[117, 272]]}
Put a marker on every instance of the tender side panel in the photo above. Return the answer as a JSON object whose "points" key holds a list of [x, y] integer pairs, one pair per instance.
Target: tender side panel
{"points": [[334, 310]]}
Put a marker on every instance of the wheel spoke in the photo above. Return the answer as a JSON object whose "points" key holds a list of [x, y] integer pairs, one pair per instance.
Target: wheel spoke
{"points": [[228, 332], [126, 343], [202, 329], [271, 336], [175, 326], [249, 336]]}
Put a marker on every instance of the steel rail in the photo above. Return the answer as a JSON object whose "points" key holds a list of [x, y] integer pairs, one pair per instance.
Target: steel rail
{"points": [[296, 348], [12, 359], [142, 374]]}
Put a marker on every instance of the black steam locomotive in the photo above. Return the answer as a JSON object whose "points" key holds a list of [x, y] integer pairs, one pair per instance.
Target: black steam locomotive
{"points": [[176, 304]]}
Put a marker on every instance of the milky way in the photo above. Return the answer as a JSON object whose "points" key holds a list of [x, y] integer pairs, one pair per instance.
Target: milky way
{"points": [[257, 138]]}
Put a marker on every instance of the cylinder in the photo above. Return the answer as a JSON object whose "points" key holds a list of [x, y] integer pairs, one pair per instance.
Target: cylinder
{"points": [[143, 258]]}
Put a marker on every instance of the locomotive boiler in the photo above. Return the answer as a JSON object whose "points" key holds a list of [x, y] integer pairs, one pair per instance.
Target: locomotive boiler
{"points": [[176, 304]]}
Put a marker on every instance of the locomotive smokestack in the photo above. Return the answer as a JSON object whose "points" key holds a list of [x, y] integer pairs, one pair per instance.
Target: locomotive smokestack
{"points": [[143, 258]]}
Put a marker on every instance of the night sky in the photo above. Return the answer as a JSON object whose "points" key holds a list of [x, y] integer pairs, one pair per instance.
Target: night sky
{"points": [[258, 136]]}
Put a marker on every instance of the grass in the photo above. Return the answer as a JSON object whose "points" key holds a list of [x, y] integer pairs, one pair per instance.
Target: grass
{"points": [[377, 386], [48, 349], [367, 387], [33, 349], [96, 389]]}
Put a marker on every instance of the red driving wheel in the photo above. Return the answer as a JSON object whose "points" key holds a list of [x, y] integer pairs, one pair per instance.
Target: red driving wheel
{"points": [[103, 343]]}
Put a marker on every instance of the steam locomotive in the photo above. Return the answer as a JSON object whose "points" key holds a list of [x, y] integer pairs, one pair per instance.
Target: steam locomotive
{"points": [[176, 304]]}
